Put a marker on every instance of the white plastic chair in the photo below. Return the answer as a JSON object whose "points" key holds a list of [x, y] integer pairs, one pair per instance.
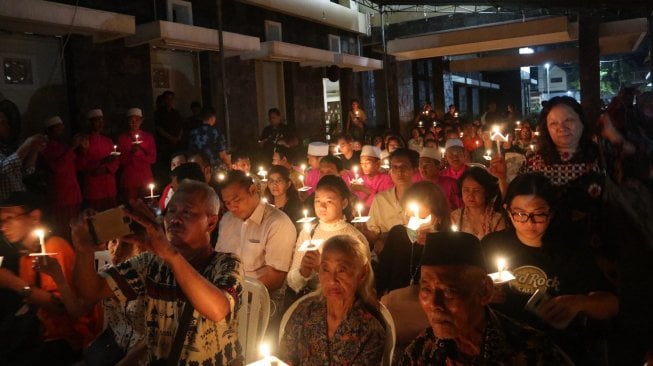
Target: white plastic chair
{"points": [[253, 317], [390, 337], [102, 258]]}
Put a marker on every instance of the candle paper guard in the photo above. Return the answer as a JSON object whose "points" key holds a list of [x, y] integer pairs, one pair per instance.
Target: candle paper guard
{"points": [[502, 275]]}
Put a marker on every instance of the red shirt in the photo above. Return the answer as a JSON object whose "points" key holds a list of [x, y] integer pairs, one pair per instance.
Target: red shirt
{"points": [[59, 160], [98, 185], [136, 171]]}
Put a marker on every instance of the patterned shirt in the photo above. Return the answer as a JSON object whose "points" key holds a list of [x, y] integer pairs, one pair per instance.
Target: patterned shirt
{"points": [[359, 339], [559, 174], [506, 343], [208, 139], [11, 175], [207, 342]]}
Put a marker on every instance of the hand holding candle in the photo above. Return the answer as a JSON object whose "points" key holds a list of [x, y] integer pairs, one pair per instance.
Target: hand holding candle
{"points": [[40, 233], [502, 275]]}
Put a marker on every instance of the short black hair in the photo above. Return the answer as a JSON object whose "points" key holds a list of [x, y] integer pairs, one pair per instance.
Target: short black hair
{"points": [[207, 112], [274, 111], [282, 151], [237, 177], [486, 180], [239, 154], [347, 137], [203, 156], [330, 159], [191, 171], [409, 154]]}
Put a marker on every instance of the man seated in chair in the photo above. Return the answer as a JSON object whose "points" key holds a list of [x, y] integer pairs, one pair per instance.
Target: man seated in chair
{"points": [[454, 293], [185, 283]]}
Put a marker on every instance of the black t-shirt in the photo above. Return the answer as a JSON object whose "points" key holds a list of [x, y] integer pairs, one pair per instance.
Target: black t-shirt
{"points": [[562, 268], [348, 163], [395, 267]]}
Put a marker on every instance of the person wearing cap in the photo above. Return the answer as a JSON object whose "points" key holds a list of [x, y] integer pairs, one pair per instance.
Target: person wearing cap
{"points": [[386, 210], [456, 158], [15, 164], [97, 165], [430, 168], [138, 153], [316, 151], [208, 139], [58, 160], [349, 156], [374, 181], [454, 292], [68, 323]]}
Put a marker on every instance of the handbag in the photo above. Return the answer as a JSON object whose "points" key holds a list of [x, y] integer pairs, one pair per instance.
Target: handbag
{"points": [[104, 351]]}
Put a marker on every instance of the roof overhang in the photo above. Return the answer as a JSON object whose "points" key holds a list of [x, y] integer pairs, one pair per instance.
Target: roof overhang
{"points": [[282, 51], [357, 63], [616, 37], [46, 17], [180, 36], [483, 39]]}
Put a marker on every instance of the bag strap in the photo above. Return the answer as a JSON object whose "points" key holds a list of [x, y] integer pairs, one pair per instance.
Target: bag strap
{"points": [[184, 325]]}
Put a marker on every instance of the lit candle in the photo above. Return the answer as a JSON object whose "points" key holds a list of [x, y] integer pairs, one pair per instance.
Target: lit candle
{"points": [[359, 208], [303, 166], [536, 133], [307, 227], [442, 151], [421, 124], [355, 169], [136, 141], [455, 114], [301, 179], [264, 200], [497, 136], [305, 213], [151, 189], [462, 134], [114, 148], [386, 162], [40, 233], [477, 143], [532, 147], [265, 352], [356, 113], [454, 227], [221, 177], [501, 264], [415, 208]]}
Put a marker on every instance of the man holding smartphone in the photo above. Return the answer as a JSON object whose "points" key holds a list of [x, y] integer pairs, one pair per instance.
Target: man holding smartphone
{"points": [[186, 285]]}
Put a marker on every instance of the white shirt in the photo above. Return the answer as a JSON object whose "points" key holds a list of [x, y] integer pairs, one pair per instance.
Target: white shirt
{"points": [[266, 238], [386, 212]]}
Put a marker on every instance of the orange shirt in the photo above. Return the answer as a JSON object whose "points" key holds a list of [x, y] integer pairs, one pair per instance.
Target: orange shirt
{"points": [[78, 332]]}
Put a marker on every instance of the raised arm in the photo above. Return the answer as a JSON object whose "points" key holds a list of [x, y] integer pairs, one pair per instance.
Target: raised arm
{"points": [[86, 281]]}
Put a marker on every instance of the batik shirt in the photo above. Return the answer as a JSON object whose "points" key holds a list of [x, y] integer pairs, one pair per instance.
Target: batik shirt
{"points": [[506, 342], [208, 139], [207, 342], [359, 339]]}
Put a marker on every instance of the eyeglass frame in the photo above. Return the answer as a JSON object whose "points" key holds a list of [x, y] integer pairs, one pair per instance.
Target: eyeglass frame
{"points": [[530, 216]]}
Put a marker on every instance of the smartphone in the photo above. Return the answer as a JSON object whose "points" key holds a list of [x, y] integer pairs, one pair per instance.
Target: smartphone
{"points": [[110, 224], [535, 303]]}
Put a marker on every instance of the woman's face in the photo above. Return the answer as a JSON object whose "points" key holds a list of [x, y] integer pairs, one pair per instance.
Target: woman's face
{"points": [[564, 126], [340, 275], [473, 194], [277, 185], [536, 214], [329, 205], [526, 133], [414, 133]]}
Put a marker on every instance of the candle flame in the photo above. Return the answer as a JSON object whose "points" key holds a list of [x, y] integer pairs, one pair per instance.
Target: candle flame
{"points": [[495, 129], [151, 186], [454, 227], [501, 264], [303, 166], [305, 213], [355, 168], [40, 233], [415, 208], [221, 176], [265, 350]]}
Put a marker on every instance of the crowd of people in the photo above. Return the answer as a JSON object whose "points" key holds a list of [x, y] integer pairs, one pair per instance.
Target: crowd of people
{"points": [[340, 232]]}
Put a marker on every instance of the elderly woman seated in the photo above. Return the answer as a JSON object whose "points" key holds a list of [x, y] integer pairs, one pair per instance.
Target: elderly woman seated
{"points": [[340, 325]]}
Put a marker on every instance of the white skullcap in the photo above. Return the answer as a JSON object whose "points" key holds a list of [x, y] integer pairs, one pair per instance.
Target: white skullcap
{"points": [[371, 151], [453, 143], [53, 121], [134, 112], [94, 113], [318, 149], [431, 153]]}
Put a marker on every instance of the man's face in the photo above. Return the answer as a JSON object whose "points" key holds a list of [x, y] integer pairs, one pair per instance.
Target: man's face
{"points": [[370, 165], [393, 145], [177, 161], [453, 298], [328, 169], [314, 161], [16, 224], [275, 119], [345, 146], [243, 165], [134, 122], [187, 222], [401, 171], [429, 168], [455, 156], [277, 160], [240, 201]]}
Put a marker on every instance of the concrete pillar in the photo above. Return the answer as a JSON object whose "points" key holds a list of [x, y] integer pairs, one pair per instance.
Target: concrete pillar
{"points": [[438, 86], [589, 64]]}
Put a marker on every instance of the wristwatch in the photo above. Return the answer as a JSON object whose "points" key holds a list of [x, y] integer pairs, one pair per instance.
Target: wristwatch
{"points": [[25, 292]]}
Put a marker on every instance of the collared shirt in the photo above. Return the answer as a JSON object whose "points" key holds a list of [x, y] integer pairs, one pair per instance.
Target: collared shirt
{"points": [[266, 238], [455, 174], [358, 340], [312, 177], [207, 342], [11, 175], [136, 166], [379, 183], [386, 212], [98, 186], [506, 342], [59, 160], [208, 139]]}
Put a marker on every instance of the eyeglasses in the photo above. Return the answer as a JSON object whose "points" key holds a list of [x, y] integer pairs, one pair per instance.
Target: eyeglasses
{"points": [[523, 217]]}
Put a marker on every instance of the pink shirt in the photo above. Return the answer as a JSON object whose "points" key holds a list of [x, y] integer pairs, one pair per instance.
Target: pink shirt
{"points": [[98, 186], [449, 172], [449, 187], [312, 177], [63, 188], [379, 183], [136, 170]]}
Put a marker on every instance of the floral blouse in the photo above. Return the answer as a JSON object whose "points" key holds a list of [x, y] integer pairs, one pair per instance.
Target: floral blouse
{"points": [[359, 339]]}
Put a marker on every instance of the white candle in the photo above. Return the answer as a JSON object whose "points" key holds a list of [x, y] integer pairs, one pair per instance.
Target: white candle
{"points": [[355, 169], [221, 176], [496, 136], [40, 233], [532, 147], [307, 227], [305, 213], [114, 148], [151, 189], [303, 166], [386, 162], [415, 208], [359, 208], [442, 151], [137, 138], [454, 227], [501, 264], [265, 352], [264, 200]]}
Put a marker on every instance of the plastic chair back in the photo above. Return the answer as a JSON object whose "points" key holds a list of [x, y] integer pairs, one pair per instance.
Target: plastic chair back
{"points": [[253, 317]]}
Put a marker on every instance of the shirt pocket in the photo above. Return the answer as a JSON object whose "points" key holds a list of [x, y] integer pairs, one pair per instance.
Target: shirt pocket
{"points": [[253, 253]]}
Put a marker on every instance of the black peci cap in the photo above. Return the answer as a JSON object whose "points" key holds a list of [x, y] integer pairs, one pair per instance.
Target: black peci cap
{"points": [[29, 200], [452, 248]]}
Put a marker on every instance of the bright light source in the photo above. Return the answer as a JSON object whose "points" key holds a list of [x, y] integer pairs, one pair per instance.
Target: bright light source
{"points": [[526, 51], [547, 65]]}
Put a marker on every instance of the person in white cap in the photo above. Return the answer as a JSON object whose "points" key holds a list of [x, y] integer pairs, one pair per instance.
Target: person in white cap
{"points": [[430, 168], [64, 194], [98, 164], [456, 157], [316, 151], [138, 153], [374, 181]]}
